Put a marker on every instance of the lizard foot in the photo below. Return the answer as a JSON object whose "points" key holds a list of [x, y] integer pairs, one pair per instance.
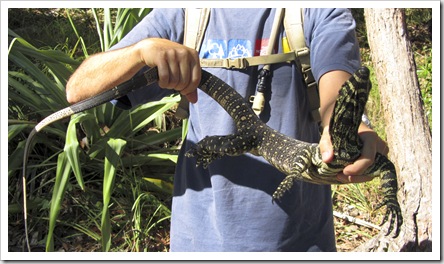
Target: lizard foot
{"points": [[393, 212], [284, 186], [203, 156]]}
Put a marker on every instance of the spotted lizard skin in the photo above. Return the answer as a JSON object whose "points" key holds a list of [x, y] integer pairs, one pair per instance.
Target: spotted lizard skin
{"points": [[301, 161]]}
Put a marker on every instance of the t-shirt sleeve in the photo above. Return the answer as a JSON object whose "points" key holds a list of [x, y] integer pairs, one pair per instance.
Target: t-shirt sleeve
{"points": [[159, 23], [330, 35]]}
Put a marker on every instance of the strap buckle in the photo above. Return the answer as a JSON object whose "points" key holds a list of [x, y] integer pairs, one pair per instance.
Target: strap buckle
{"points": [[302, 52], [239, 63]]}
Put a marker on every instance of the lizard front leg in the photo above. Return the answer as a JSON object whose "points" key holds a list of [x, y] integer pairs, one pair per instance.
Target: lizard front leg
{"points": [[214, 147]]}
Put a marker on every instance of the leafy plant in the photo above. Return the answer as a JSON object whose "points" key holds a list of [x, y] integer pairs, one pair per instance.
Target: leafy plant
{"points": [[424, 72], [124, 20], [112, 142], [36, 87]]}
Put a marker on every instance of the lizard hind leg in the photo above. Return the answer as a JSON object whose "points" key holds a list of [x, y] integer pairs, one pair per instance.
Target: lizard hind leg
{"points": [[302, 162], [215, 147], [284, 186], [390, 201], [389, 184]]}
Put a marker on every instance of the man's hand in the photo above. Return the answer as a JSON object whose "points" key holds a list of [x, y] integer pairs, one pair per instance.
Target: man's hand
{"points": [[353, 172], [329, 85], [178, 65]]}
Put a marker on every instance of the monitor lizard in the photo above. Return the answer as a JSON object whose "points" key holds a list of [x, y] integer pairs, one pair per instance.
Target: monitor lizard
{"points": [[297, 159]]}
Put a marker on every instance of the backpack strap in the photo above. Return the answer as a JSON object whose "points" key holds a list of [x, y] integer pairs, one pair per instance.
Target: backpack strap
{"points": [[258, 100], [294, 28], [243, 63], [196, 20]]}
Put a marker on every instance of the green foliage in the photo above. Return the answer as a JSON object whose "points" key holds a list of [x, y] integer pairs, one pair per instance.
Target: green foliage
{"points": [[117, 24], [61, 180], [37, 73], [424, 62], [113, 150], [66, 176], [416, 17], [114, 145]]}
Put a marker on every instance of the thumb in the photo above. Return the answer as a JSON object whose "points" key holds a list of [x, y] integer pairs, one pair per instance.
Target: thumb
{"points": [[192, 97], [325, 146]]}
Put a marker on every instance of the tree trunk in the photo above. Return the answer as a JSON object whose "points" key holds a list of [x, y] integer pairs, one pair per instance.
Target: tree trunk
{"points": [[408, 132]]}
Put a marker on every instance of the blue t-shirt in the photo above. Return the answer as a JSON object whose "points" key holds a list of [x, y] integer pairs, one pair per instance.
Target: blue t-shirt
{"points": [[228, 206]]}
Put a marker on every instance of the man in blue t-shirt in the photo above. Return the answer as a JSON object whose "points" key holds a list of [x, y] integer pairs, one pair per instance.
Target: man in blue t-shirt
{"points": [[228, 206]]}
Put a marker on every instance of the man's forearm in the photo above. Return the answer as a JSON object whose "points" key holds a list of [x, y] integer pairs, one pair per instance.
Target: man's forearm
{"points": [[178, 69], [329, 85], [101, 72]]}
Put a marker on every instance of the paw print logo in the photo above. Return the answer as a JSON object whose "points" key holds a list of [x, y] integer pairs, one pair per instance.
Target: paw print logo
{"points": [[239, 51]]}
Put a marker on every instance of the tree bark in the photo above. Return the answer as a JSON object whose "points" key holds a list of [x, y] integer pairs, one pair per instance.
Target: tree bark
{"points": [[408, 131]]}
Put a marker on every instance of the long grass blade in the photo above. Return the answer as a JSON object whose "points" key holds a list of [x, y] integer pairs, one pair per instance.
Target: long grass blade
{"points": [[113, 151], [164, 186], [55, 97], [22, 95], [62, 175], [15, 158], [107, 28], [72, 146], [14, 130], [99, 28], [80, 39]]}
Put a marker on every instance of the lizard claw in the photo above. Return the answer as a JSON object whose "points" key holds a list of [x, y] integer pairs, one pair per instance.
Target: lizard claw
{"points": [[203, 157], [394, 213]]}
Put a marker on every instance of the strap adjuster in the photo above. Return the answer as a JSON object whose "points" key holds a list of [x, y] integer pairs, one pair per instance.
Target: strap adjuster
{"points": [[238, 63], [302, 52]]}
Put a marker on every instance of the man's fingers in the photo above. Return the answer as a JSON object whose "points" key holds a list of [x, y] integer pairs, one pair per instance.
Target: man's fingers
{"points": [[192, 97], [178, 66], [382, 147], [352, 179], [192, 82], [163, 71], [359, 166], [175, 77]]}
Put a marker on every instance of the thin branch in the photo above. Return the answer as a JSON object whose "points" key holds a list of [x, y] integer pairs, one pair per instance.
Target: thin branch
{"points": [[355, 220]]}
